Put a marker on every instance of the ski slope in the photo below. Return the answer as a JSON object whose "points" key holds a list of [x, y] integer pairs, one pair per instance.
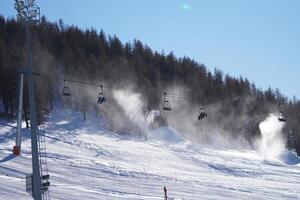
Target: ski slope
{"points": [[86, 162]]}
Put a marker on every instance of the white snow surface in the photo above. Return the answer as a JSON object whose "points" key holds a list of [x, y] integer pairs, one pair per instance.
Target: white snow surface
{"points": [[87, 162]]}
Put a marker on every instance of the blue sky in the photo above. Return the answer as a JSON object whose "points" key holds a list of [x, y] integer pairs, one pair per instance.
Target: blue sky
{"points": [[257, 39]]}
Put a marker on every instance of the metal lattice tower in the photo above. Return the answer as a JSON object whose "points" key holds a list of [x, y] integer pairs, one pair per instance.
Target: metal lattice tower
{"points": [[43, 165], [42, 152], [29, 14]]}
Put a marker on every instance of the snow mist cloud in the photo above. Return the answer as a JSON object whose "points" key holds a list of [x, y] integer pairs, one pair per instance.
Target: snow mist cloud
{"points": [[272, 143], [135, 108]]}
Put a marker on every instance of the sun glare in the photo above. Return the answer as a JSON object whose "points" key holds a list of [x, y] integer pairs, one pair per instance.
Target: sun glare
{"points": [[185, 6]]}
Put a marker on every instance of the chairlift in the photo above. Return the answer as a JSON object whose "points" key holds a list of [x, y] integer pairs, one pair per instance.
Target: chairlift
{"points": [[281, 117], [166, 103], [202, 114], [101, 96], [66, 90]]}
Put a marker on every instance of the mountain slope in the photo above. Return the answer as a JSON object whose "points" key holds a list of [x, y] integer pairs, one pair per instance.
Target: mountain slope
{"points": [[87, 162]]}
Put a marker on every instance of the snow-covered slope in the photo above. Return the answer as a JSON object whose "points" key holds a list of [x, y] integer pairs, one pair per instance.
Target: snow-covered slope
{"points": [[86, 162]]}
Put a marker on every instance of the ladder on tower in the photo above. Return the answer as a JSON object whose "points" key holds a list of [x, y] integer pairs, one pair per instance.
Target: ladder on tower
{"points": [[45, 183], [43, 165]]}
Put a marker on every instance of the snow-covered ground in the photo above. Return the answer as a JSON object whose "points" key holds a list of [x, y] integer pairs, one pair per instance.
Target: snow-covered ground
{"points": [[86, 162]]}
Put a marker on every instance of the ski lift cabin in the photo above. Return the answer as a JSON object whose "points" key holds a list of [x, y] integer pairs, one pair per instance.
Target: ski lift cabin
{"points": [[166, 103], [281, 117], [202, 114], [101, 96], [66, 90]]}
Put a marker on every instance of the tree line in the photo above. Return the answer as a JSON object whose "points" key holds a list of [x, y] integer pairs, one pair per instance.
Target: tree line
{"points": [[67, 51]]}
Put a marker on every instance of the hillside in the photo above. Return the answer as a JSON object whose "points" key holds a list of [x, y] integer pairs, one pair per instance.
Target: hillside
{"points": [[143, 113], [235, 105], [87, 162]]}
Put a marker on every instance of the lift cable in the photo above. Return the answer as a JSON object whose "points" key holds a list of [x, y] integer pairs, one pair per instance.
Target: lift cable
{"points": [[83, 82]]}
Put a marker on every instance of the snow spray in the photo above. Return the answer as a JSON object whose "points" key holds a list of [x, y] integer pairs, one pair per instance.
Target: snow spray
{"points": [[272, 143], [134, 107], [152, 115]]}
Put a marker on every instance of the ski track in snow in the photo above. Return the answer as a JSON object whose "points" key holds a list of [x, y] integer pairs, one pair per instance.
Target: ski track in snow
{"points": [[86, 162]]}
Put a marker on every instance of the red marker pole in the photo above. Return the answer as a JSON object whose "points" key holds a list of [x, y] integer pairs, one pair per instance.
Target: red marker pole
{"points": [[166, 195], [17, 147]]}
